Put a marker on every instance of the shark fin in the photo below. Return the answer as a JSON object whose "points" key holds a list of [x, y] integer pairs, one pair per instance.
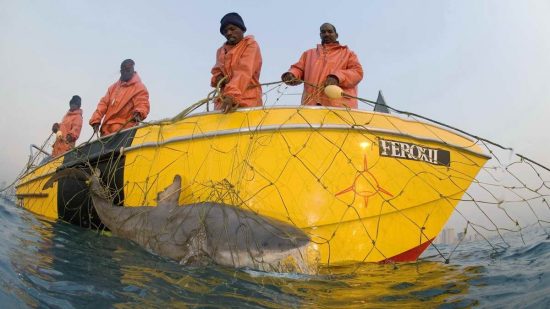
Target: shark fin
{"points": [[170, 195]]}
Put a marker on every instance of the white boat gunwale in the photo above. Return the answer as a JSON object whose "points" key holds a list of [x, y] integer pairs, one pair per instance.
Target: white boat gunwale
{"points": [[270, 128]]}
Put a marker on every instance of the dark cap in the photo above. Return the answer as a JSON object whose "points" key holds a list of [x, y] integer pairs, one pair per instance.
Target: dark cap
{"points": [[233, 19], [75, 100], [127, 61]]}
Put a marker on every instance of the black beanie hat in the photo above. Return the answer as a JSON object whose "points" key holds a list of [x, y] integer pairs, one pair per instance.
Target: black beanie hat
{"points": [[234, 19], [75, 100]]}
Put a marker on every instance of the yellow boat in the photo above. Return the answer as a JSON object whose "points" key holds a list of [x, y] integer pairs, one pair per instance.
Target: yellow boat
{"points": [[364, 186]]}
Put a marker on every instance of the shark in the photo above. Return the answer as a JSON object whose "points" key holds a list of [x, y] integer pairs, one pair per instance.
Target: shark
{"points": [[202, 233]]}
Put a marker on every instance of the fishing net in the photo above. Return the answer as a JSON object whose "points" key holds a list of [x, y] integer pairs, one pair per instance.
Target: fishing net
{"points": [[312, 188]]}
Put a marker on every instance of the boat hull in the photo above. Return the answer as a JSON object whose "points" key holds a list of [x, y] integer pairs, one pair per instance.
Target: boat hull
{"points": [[365, 187]]}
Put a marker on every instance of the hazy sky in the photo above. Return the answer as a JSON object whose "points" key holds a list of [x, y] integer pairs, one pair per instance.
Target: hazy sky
{"points": [[482, 66]]}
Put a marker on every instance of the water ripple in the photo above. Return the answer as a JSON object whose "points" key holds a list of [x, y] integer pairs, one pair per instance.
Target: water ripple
{"points": [[45, 263]]}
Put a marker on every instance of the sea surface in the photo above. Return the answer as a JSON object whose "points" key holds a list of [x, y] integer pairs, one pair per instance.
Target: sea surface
{"points": [[51, 264]]}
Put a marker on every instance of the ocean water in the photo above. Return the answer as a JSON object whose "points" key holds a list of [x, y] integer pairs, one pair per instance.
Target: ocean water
{"points": [[51, 264]]}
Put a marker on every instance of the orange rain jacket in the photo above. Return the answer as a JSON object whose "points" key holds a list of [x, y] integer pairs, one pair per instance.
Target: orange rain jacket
{"points": [[330, 59], [118, 105], [70, 124], [241, 64]]}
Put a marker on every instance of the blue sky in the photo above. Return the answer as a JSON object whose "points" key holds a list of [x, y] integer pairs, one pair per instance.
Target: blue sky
{"points": [[482, 66]]}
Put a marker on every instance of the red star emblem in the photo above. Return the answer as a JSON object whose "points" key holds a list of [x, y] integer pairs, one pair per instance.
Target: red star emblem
{"points": [[365, 185]]}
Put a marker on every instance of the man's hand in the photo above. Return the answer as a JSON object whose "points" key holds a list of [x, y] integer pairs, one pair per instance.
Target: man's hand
{"points": [[218, 79], [289, 79], [137, 117], [55, 127], [332, 80], [228, 104], [95, 126], [69, 138]]}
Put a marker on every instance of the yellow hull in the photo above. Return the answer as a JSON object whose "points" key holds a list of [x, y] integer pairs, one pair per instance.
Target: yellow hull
{"points": [[31, 195], [364, 186]]}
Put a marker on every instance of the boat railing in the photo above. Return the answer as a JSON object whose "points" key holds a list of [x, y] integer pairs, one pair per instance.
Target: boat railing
{"points": [[34, 156]]}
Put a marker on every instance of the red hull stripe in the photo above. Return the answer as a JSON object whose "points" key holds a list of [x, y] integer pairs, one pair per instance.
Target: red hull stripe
{"points": [[409, 255]]}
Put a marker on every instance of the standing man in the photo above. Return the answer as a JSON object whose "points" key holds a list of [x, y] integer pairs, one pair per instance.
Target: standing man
{"points": [[68, 130], [239, 61], [328, 64], [125, 104]]}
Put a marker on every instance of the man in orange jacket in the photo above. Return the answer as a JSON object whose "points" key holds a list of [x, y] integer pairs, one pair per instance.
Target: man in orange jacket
{"points": [[125, 104], [239, 60], [68, 130], [328, 64]]}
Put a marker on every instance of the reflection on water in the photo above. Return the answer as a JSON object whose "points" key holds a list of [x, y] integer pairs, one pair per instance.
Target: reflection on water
{"points": [[52, 264]]}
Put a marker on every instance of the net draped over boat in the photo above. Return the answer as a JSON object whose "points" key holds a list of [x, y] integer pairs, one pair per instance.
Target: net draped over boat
{"points": [[323, 172]]}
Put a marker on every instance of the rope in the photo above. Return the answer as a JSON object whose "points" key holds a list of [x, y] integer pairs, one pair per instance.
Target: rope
{"points": [[29, 164]]}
